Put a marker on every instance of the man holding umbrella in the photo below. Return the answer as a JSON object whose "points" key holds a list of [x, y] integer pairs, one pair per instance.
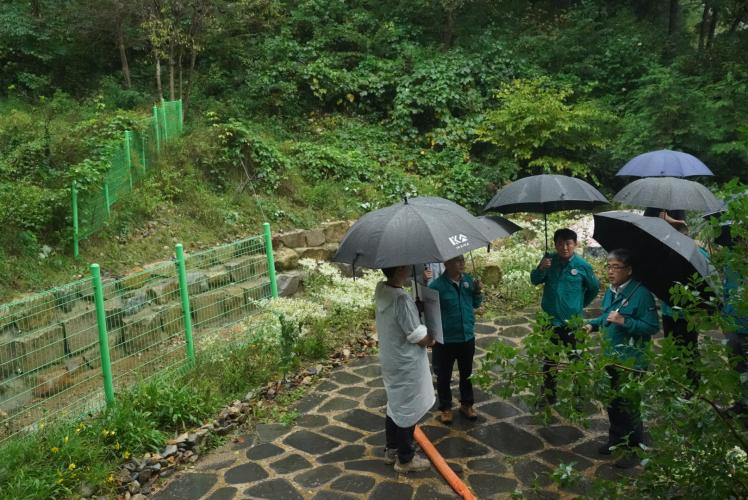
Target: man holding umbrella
{"points": [[569, 285]]}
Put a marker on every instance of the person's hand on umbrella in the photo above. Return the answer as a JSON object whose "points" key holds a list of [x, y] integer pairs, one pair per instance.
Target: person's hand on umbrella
{"points": [[616, 318], [427, 275], [545, 264], [587, 328]]}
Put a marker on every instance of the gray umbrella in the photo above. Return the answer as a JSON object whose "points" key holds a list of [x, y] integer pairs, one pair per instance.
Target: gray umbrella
{"points": [[664, 163], [662, 255], [417, 230], [545, 194], [668, 193]]}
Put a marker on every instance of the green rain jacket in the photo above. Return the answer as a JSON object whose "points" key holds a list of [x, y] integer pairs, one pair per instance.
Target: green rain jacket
{"points": [[568, 288], [457, 302], [630, 340]]}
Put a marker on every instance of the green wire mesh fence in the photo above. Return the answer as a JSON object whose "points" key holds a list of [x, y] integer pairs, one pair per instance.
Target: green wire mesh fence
{"points": [[130, 161], [52, 363]]}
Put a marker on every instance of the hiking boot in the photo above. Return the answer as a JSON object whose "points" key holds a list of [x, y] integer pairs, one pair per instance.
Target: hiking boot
{"points": [[415, 465], [445, 417], [468, 412], [390, 455]]}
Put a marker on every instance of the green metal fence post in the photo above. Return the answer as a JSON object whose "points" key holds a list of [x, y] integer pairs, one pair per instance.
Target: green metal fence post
{"points": [[107, 200], [106, 362], [184, 294], [180, 118], [74, 196], [142, 152], [128, 156], [163, 120], [271, 260], [156, 131]]}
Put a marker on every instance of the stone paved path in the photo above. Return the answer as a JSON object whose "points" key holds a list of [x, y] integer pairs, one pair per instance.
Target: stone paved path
{"points": [[334, 450]]}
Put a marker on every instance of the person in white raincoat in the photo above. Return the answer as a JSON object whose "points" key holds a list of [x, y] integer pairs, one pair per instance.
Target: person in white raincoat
{"points": [[405, 368]]}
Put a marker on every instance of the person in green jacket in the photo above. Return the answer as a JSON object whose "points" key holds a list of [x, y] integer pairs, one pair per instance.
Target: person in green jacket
{"points": [[628, 322], [459, 296], [569, 285]]}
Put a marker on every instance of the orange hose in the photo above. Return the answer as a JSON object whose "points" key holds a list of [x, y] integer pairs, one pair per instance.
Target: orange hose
{"points": [[442, 466]]}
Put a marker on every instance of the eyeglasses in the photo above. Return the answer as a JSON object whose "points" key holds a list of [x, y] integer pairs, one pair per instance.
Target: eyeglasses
{"points": [[615, 267]]}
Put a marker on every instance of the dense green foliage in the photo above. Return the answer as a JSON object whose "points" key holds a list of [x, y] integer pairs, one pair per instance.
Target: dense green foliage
{"points": [[444, 97]]}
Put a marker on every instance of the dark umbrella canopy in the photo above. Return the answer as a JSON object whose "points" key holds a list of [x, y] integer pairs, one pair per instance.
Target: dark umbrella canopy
{"points": [[417, 230], [498, 227], [545, 194], [668, 193], [661, 254], [664, 163]]}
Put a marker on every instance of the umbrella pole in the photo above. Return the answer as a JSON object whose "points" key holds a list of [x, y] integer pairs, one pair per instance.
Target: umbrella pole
{"points": [[472, 262], [545, 221], [419, 303]]}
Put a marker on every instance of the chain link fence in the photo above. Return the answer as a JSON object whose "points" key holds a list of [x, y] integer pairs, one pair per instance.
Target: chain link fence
{"points": [[67, 351], [130, 161]]}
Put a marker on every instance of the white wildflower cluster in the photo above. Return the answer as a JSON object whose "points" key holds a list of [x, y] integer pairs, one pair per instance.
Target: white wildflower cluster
{"points": [[737, 460], [333, 289], [297, 310]]}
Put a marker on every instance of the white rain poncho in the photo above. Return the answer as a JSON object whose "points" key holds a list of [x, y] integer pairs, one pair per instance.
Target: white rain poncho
{"points": [[405, 365]]}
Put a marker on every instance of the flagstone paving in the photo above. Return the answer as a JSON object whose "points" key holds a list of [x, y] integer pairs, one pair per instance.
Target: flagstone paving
{"points": [[335, 449]]}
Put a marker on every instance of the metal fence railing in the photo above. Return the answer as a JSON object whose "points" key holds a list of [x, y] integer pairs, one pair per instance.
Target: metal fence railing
{"points": [[67, 351], [130, 161]]}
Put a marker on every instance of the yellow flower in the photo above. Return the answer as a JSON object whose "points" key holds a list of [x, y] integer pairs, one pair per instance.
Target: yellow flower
{"points": [[66, 440], [71, 467], [126, 455], [110, 478], [55, 449], [117, 445]]}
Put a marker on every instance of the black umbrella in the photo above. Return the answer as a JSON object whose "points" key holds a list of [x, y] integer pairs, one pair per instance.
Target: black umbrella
{"points": [[498, 227], [545, 194], [410, 232], [668, 193], [662, 255]]}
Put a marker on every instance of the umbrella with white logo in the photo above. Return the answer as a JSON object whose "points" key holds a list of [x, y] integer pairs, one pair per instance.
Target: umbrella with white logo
{"points": [[413, 231]]}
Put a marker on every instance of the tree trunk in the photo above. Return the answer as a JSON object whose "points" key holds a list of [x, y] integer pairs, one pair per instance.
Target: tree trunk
{"points": [[673, 20], [159, 88], [123, 55], [36, 9], [712, 27], [703, 25], [171, 73], [449, 26], [179, 66], [190, 74]]}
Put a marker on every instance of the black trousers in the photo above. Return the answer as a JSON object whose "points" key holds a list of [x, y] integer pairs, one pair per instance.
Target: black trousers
{"points": [[682, 336], [400, 439], [626, 425], [565, 336], [443, 357]]}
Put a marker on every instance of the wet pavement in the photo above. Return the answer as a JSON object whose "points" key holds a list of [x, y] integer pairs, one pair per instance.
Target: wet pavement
{"points": [[334, 449]]}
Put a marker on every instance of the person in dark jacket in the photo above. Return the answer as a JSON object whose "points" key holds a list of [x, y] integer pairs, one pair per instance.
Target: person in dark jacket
{"points": [[569, 285], [628, 322], [459, 296]]}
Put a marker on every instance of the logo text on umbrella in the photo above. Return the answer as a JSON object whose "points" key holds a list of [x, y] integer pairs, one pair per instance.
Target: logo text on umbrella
{"points": [[458, 240]]}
